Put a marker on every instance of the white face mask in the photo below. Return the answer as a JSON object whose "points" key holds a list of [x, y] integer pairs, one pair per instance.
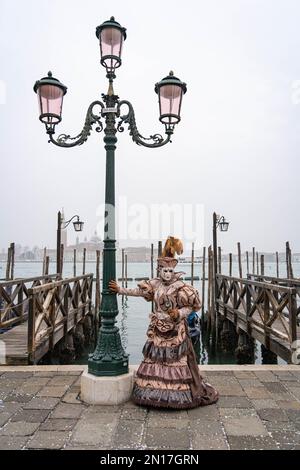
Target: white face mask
{"points": [[166, 273]]}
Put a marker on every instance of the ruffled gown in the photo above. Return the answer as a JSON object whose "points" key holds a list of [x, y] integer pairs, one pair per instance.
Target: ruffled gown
{"points": [[168, 376]]}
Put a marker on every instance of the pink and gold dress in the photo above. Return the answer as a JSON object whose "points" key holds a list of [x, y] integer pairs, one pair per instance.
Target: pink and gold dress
{"points": [[169, 375]]}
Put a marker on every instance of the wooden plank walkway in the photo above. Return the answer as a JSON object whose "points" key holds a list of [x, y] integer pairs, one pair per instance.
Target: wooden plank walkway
{"points": [[55, 309], [267, 312]]}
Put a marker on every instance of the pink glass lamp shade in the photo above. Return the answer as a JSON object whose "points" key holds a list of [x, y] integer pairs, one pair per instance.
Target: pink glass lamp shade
{"points": [[170, 90], [111, 36], [50, 94]]}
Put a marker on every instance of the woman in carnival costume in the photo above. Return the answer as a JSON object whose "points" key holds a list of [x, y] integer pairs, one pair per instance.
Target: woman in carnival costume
{"points": [[169, 376]]}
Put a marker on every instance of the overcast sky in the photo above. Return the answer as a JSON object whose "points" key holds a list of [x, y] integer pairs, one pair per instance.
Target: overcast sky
{"points": [[235, 151]]}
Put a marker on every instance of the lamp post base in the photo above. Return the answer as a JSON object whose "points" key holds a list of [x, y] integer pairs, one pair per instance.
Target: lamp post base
{"points": [[109, 357], [106, 390]]}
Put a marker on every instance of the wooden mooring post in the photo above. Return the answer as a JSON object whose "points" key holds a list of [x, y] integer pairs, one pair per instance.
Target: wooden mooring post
{"points": [[240, 260], [74, 262], [203, 285], [192, 264], [83, 261]]}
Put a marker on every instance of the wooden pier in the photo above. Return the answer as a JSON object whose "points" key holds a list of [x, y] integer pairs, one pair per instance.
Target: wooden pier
{"points": [[266, 309], [42, 312]]}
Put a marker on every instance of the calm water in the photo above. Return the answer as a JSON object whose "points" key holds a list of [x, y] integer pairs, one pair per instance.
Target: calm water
{"points": [[134, 312]]}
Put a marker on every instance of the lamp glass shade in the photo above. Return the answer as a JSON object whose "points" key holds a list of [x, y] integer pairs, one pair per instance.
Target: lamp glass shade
{"points": [[50, 99], [78, 226], [170, 97], [111, 41], [224, 226]]}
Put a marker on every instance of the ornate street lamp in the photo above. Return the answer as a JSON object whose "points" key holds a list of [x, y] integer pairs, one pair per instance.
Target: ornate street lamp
{"points": [[61, 225], [109, 357], [218, 221]]}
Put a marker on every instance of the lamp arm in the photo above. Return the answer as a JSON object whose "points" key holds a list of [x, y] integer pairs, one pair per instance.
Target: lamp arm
{"points": [[129, 118], [69, 221], [65, 140]]}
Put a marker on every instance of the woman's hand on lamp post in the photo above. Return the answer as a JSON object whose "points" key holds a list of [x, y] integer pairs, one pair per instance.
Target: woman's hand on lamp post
{"points": [[114, 287]]}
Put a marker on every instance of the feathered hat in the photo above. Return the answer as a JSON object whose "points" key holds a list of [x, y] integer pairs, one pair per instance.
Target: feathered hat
{"points": [[173, 245]]}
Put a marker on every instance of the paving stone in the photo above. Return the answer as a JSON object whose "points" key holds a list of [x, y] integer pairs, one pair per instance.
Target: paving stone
{"points": [[294, 415], [36, 380], [251, 443], [128, 434], [289, 404], [54, 391], [285, 375], [296, 373], [10, 407], [250, 383], [20, 428], [242, 425], [234, 402], [169, 413], [71, 398], [53, 424], [156, 421], [92, 409], [268, 414], [16, 375], [223, 381], [95, 430], [236, 412], [204, 412], [15, 397], [275, 387], [66, 410], [48, 440], [201, 442], [295, 391], [290, 384], [286, 439], [244, 374], [230, 390], [69, 372], [219, 373], [266, 376], [41, 403], [210, 429], [164, 438], [12, 443], [62, 380], [4, 417], [139, 414], [257, 392], [31, 416], [46, 373], [29, 389], [279, 426]]}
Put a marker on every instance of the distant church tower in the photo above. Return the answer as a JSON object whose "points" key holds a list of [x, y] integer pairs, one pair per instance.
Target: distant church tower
{"points": [[64, 234]]}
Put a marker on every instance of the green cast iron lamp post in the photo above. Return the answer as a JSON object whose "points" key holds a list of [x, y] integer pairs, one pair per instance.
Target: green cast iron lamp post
{"points": [[109, 357]]}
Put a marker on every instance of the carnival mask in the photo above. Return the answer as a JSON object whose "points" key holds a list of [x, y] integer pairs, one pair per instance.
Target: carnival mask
{"points": [[166, 273]]}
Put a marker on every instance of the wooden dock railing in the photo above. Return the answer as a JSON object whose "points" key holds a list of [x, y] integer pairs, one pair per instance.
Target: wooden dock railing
{"points": [[54, 309], [14, 298], [266, 311]]}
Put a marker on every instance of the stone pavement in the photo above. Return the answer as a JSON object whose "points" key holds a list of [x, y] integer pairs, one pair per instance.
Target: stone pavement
{"points": [[259, 408]]}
